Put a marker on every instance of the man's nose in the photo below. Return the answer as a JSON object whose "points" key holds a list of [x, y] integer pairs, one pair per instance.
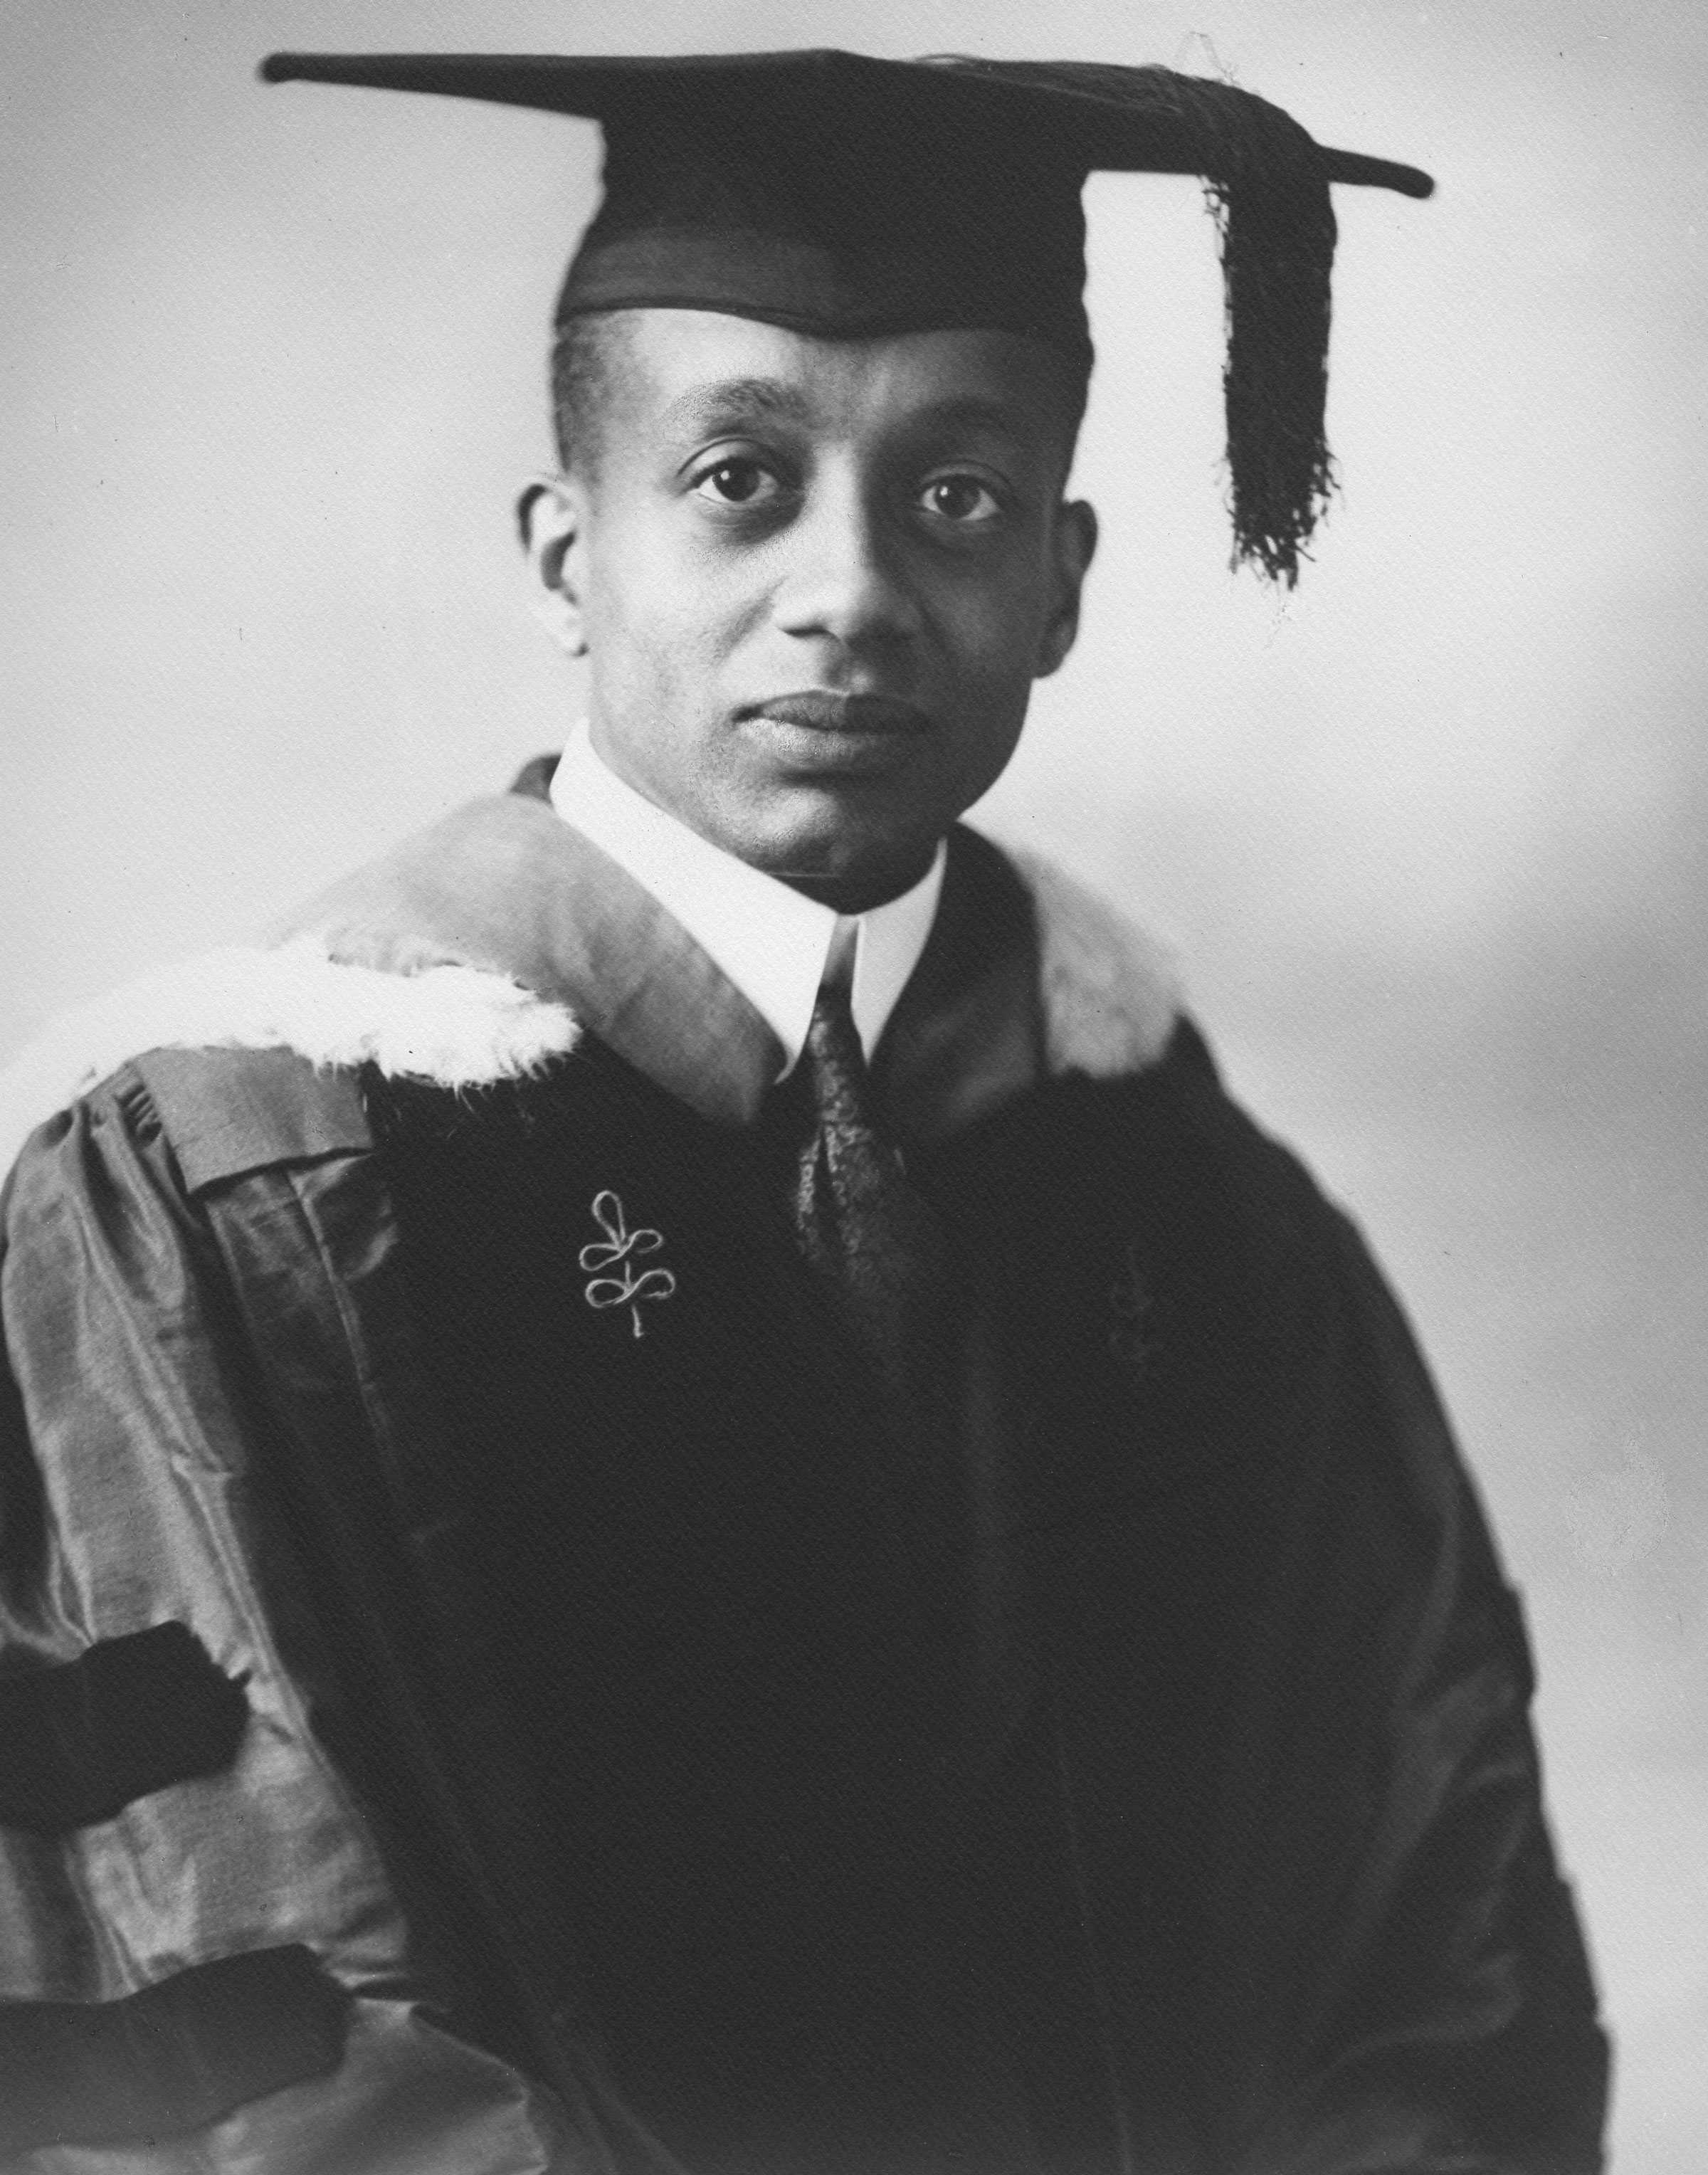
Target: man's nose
{"points": [[846, 580]]}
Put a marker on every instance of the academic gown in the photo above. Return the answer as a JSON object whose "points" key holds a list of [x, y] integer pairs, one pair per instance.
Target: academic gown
{"points": [[589, 1732]]}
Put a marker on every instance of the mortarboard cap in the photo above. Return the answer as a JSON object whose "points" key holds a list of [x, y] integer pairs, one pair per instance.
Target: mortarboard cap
{"points": [[845, 196]]}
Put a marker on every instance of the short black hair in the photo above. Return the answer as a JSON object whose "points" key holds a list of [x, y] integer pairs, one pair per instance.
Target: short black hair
{"points": [[585, 361], [582, 366]]}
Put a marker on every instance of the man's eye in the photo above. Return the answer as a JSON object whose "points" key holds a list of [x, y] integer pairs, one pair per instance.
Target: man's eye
{"points": [[960, 498], [737, 483]]}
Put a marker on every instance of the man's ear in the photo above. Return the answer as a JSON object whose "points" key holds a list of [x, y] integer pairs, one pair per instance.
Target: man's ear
{"points": [[551, 515], [1073, 547]]}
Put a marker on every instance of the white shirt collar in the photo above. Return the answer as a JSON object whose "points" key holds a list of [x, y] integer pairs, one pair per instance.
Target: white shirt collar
{"points": [[773, 942]]}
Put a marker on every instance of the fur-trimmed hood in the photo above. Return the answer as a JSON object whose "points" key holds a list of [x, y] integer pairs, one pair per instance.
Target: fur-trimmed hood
{"points": [[461, 958]]}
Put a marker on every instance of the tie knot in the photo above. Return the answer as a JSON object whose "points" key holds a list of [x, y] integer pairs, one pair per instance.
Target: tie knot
{"points": [[837, 1060], [832, 1010]]}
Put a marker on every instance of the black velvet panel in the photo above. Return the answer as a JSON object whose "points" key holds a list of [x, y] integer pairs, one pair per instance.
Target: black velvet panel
{"points": [[731, 1630]]}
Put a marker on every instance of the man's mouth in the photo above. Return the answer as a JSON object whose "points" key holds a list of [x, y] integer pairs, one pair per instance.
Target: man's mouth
{"points": [[817, 710]]}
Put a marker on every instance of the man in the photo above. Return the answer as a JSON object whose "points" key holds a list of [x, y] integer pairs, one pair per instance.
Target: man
{"points": [[679, 1495]]}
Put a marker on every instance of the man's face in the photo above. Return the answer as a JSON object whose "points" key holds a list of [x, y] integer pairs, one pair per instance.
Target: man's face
{"points": [[816, 580]]}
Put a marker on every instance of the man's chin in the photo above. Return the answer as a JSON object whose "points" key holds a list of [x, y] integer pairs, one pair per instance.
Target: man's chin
{"points": [[846, 857]]}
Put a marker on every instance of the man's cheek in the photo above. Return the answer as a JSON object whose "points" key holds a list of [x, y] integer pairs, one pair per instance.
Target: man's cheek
{"points": [[994, 622]]}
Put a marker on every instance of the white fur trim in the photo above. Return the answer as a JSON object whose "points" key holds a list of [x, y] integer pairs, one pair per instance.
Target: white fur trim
{"points": [[1110, 994], [460, 1026]]}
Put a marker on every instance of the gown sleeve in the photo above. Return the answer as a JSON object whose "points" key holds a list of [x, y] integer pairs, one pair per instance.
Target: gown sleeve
{"points": [[204, 1964], [1449, 2020]]}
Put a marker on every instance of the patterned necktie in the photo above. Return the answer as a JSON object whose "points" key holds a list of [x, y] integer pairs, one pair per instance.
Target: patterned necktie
{"points": [[861, 1225]]}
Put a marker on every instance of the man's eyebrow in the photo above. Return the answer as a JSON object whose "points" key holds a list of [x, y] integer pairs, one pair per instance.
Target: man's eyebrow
{"points": [[727, 400], [974, 411]]}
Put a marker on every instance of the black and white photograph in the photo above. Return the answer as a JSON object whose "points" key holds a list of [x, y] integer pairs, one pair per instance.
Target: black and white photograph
{"points": [[853, 1088]]}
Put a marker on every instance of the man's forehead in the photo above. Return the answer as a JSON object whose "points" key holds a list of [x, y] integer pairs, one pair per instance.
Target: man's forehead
{"points": [[697, 372]]}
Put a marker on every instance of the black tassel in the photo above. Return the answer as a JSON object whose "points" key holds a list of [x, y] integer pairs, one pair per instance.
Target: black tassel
{"points": [[1270, 195], [1268, 185]]}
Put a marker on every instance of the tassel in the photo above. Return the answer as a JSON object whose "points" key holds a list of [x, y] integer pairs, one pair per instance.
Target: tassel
{"points": [[1268, 181]]}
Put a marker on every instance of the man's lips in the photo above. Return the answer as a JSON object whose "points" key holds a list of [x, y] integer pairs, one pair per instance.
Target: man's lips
{"points": [[814, 709]]}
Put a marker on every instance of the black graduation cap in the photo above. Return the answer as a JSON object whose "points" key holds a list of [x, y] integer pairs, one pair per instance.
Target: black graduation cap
{"points": [[842, 195]]}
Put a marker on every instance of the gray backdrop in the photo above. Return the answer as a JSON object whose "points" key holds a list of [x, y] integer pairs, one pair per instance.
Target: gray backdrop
{"points": [[1428, 837]]}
